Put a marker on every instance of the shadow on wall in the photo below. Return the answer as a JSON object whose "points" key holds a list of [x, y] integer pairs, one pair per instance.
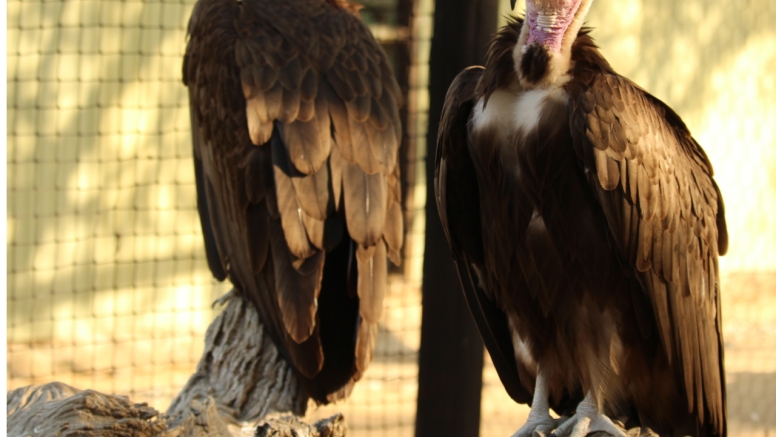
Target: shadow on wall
{"points": [[101, 197]]}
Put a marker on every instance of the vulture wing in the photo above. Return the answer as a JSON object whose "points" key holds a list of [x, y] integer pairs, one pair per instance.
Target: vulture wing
{"points": [[666, 218], [458, 201], [296, 130]]}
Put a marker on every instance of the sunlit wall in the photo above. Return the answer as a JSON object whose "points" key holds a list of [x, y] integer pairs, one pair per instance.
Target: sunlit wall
{"points": [[108, 286]]}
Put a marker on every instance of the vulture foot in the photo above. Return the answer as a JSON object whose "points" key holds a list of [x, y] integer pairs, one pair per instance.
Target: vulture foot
{"points": [[588, 420], [540, 424], [539, 420]]}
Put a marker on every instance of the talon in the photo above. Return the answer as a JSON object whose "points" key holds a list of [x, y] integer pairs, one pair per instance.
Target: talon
{"points": [[586, 420]]}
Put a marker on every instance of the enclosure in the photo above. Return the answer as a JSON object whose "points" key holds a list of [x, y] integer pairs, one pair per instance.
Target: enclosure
{"points": [[108, 287]]}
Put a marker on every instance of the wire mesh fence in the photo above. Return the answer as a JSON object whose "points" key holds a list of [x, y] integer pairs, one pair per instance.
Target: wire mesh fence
{"points": [[108, 285]]}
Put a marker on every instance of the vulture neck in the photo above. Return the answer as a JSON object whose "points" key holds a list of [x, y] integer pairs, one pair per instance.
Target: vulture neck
{"points": [[541, 62]]}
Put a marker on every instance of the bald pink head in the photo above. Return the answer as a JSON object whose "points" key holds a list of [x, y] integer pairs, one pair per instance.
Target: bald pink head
{"points": [[548, 21]]}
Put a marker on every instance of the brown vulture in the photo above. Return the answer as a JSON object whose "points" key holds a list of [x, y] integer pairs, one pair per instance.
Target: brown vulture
{"points": [[295, 127], [586, 228]]}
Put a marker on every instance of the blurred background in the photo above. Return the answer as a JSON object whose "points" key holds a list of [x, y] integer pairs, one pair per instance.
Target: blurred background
{"points": [[108, 286]]}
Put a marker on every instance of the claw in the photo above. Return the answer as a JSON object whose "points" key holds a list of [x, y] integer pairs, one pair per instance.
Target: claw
{"points": [[587, 420], [538, 425]]}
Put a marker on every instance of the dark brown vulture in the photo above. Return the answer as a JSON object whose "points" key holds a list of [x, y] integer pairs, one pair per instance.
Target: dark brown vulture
{"points": [[586, 228], [295, 125]]}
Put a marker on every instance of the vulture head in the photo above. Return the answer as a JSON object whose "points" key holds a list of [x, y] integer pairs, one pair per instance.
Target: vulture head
{"points": [[543, 52]]}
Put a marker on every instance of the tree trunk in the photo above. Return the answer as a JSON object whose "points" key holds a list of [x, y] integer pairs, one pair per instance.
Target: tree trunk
{"points": [[241, 369], [241, 387]]}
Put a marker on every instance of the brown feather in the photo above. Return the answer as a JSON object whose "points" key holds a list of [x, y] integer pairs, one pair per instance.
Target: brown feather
{"points": [[308, 357], [362, 148], [364, 198], [645, 246], [315, 230], [259, 131], [336, 167], [377, 118], [340, 122], [656, 263], [264, 77], [287, 204], [394, 232], [372, 276], [290, 108], [258, 173], [262, 72], [307, 111], [340, 85], [365, 346], [257, 221], [297, 287], [291, 75], [313, 193], [273, 102], [359, 108], [309, 86], [384, 145], [355, 81], [308, 145]]}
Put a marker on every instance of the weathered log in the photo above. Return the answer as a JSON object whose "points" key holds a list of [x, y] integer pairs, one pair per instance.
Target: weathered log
{"points": [[56, 409], [241, 387], [241, 369]]}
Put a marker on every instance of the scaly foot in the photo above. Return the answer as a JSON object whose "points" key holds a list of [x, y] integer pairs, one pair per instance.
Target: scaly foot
{"points": [[539, 419], [541, 423], [587, 420]]}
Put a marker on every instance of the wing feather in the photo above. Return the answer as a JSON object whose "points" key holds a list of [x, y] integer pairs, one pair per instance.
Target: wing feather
{"points": [[365, 346], [274, 86], [365, 202], [672, 221], [457, 197], [297, 283], [290, 211]]}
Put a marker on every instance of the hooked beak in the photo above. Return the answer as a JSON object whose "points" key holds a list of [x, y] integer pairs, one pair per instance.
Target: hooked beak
{"points": [[512, 2]]}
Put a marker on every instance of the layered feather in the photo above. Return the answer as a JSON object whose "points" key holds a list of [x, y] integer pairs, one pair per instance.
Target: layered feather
{"points": [[296, 132], [595, 230]]}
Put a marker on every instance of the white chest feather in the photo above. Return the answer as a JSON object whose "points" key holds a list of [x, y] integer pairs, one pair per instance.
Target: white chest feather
{"points": [[511, 112]]}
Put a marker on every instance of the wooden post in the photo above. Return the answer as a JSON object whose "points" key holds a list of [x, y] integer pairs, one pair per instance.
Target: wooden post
{"points": [[451, 349]]}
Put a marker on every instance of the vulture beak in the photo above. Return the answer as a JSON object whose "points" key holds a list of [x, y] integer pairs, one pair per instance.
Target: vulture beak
{"points": [[512, 2]]}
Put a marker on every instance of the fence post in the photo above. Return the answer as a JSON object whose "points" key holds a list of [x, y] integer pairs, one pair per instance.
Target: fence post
{"points": [[451, 350]]}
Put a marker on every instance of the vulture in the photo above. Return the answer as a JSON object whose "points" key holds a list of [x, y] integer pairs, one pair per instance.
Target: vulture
{"points": [[295, 129], [586, 229]]}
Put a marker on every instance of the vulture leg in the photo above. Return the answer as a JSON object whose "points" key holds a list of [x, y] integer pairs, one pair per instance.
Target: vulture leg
{"points": [[539, 418], [586, 420]]}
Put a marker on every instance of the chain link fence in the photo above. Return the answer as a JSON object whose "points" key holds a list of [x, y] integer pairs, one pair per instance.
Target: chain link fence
{"points": [[108, 286]]}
